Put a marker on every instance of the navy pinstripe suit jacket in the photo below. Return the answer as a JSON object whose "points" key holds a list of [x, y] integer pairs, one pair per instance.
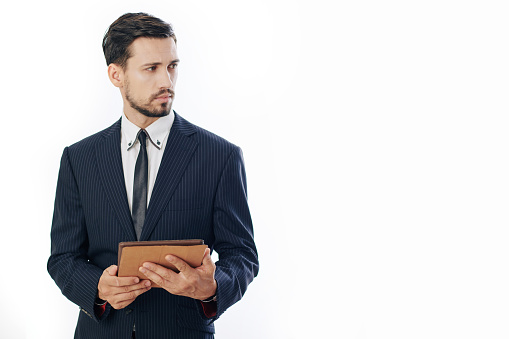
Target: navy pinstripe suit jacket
{"points": [[200, 192]]}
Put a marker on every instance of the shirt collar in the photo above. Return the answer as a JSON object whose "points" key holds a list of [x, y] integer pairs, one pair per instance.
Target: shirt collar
{"points": [[156, 131]]}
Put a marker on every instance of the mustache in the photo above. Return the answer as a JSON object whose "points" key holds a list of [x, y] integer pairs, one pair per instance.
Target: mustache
{"points": [[163, 91]]}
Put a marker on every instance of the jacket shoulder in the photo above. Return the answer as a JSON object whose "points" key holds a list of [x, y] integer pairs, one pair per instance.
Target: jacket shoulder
{"points": [[89, 142], [205, 137]]}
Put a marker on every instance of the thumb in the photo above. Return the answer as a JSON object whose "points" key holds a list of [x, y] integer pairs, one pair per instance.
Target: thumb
{"points": [[207, 259], [112, 270]]}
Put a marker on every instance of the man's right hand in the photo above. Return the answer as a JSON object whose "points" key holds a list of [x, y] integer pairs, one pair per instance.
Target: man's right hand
{"points": [[120, 291]]}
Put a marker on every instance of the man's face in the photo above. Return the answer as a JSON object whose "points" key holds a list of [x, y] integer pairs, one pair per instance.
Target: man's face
{"points": [[150, 76]]}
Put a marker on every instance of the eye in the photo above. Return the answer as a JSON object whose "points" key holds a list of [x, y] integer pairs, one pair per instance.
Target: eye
{"points": [[152, 68], [173, 66]]}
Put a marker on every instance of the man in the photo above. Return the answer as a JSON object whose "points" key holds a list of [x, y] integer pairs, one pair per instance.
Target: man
{"points": [[150, 176]]}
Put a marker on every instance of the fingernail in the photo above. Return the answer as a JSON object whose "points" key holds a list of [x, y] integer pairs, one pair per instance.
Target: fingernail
{"points": [[146, 265], [169, 258], [143, 270], [136, 280], [147, 283]]}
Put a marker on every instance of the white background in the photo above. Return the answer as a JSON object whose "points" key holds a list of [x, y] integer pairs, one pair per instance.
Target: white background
{"points": [[375, 140]]}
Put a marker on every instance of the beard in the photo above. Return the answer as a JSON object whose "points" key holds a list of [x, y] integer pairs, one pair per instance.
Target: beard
{"points": [[146, 109]]}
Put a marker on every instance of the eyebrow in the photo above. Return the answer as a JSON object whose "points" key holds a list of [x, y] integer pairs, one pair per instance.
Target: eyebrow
{"points": [[160, 63]]}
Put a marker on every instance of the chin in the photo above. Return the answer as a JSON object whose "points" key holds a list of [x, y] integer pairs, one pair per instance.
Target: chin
{"points": [[154, 113]]}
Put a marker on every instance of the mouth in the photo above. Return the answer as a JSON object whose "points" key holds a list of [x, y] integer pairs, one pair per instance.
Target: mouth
{"points": [[163, 98]]}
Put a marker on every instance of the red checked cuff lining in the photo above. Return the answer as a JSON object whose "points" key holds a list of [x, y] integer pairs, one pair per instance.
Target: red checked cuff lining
{"points": [[99, 310], [210, 309]]}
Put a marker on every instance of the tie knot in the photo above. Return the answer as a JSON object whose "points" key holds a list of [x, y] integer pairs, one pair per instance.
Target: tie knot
{"points": [[142, 137]]}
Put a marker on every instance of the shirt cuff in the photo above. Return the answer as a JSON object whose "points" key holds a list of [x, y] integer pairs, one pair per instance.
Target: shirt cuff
{"points": [[210, 309], [99, 310]]}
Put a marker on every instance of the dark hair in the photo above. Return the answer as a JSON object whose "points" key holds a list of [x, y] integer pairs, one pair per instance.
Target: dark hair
{"points": [[128, 28]]}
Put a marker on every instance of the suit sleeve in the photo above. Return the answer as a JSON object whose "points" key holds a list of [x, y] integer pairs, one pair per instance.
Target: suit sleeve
{"points": [[68, 264], [233, 231]]}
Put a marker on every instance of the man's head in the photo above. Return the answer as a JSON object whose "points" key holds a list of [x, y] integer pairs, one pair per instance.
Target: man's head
{"points": [[126, 29], [141, 54]]}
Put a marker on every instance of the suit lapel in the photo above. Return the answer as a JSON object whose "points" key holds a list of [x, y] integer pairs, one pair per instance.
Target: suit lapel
{"points": [[179, 150], [109, 161]]}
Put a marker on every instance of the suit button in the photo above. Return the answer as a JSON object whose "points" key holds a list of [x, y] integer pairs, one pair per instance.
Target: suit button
{"points": [[128, 311]]}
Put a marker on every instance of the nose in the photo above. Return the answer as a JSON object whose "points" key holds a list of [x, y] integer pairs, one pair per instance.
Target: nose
{"points": [[166, 80]]}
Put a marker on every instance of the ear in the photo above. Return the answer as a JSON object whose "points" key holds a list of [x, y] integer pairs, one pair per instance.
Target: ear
{"points": [[116, 75]]}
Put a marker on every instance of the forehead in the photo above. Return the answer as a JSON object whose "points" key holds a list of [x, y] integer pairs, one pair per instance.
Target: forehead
{"points": [[152, 50]]}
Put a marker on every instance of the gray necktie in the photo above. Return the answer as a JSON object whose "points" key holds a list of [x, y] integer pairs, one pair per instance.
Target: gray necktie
{"points": [[140, 185]]}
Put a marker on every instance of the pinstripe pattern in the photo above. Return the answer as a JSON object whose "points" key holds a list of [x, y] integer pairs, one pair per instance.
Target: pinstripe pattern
{"points": [[200, 192]]}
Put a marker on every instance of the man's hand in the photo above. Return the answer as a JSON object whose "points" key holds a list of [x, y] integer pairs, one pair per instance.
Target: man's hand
{"points": [[120, 291], [197, 283]]}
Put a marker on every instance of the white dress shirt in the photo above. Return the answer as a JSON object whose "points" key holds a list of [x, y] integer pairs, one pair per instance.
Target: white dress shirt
{"points": [[157, 133]]}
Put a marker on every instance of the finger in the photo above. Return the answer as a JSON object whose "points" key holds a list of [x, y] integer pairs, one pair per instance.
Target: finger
{"points": [[207, 259], [133, 294], [128, 288], [115, 281], [153, 276], [111, 286], [120, 297], [123, 300], [112, 270], [159, 274], [180, 264], [207, 265], [164, 272]]}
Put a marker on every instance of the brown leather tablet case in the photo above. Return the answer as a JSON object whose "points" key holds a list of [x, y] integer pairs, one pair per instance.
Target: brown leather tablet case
{"points": [[131, 255]]}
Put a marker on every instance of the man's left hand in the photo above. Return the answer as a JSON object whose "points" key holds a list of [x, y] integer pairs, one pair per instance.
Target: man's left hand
{"points": [[197, 283]]}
